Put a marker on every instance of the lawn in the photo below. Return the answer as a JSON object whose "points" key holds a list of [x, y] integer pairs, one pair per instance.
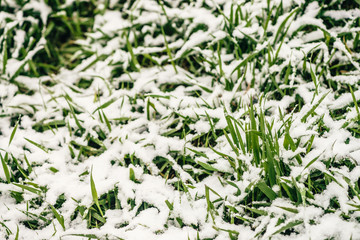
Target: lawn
{"points": [[180, 119]]}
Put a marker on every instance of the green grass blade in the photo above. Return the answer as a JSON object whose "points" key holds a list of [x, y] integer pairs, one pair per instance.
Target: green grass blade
{"points": [[207, 167], [211, 125], [8, 231], [282, 25], [19, 167], [311, 162], [58, 216], [267, 190], [355, 102], [198, 153], [168, 49], [98, 217], [309, 143], [241, 142], [5, 57], [5, 167], [17, 233], [105, 105], [38, 145], [107, 122], [132, 175], [170, 206], [257, 211], [30, 189], [292, 210], [271, 172], [130, 49], [94, 193], [210, 206], [244, 62], [253, 135], [232, 131], [288, 226], [303, 119], [13, 132], [74, 115], [313, 78], [231, 144], [88, 236]]}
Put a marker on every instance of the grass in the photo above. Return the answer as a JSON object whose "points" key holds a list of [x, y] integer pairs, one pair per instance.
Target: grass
{"points": [[116, 120]]}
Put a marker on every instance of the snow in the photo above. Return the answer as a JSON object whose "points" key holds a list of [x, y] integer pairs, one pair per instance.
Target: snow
{"points": [[341, 14]]}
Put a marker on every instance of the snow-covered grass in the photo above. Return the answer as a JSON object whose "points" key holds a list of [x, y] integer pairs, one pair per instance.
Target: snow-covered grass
{"points": [[174, 119]]}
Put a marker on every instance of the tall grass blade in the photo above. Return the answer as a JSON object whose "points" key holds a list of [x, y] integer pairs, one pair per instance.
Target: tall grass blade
{"points": [[58, 216], [267, 190], [312, 110], [38, 145], [5, 167], [13, 132], [288, 226], [105, 105], [94, 193]]}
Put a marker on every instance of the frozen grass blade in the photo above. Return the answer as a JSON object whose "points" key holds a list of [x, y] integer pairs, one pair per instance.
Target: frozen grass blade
{"points": [[13, 132], [28, 188], [267, 190], [313, 77], [19, 168], [107, 122], [38, 145], [58, 216], [5, 56], [232, 131], [256, 211], [17, 233], [88, 236], [311, 162], [282, 25], [74, 115], [288, 226], [5, 167], [210, 206], [105, 105], [312, 110], [238, 137], [170, 206], [8, 231], [270, 168], [211, 125], [254, 138], [207, 167], [244, 62], [198, 153], [309, 144], [134, 61], [292, 210], [94, 193], [168, 51], [28, 164], [234, 148], [148, 105], [355, 102], [219, 59], [132, 175]]}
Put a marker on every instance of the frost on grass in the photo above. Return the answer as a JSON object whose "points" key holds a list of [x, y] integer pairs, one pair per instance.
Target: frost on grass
{"points": [[179, 119]]}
